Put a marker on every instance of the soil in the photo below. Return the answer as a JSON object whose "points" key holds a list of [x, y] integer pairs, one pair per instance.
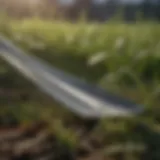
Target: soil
{"points": [[34, 142]]}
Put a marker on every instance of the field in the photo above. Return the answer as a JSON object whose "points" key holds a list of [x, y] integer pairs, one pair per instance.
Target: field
{"points": [[123, 58]]}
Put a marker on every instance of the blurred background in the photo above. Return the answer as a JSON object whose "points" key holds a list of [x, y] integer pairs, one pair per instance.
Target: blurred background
{"points": [[94, 10], [112, 43]]}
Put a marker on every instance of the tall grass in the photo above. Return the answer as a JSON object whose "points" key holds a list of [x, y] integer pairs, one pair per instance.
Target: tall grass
{"points": [[124, 58], [125, 53]]}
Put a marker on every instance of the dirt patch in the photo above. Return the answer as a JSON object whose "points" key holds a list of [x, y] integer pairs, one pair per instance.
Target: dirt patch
{"points": [[30, 142], [36, 142]]}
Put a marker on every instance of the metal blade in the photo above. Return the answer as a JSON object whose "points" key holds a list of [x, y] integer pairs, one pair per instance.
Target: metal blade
{"points": [[84, 99]]}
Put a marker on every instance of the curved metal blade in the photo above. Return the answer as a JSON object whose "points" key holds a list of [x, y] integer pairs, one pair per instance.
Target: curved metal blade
{"points": [[80, 97]]}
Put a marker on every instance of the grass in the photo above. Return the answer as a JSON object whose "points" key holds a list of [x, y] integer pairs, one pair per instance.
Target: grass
{"points": [[123, 58]]}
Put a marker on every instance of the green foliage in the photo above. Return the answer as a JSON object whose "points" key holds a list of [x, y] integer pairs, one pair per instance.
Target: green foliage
{"points": [[65, 135], [124, 58], [112, 53]]}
